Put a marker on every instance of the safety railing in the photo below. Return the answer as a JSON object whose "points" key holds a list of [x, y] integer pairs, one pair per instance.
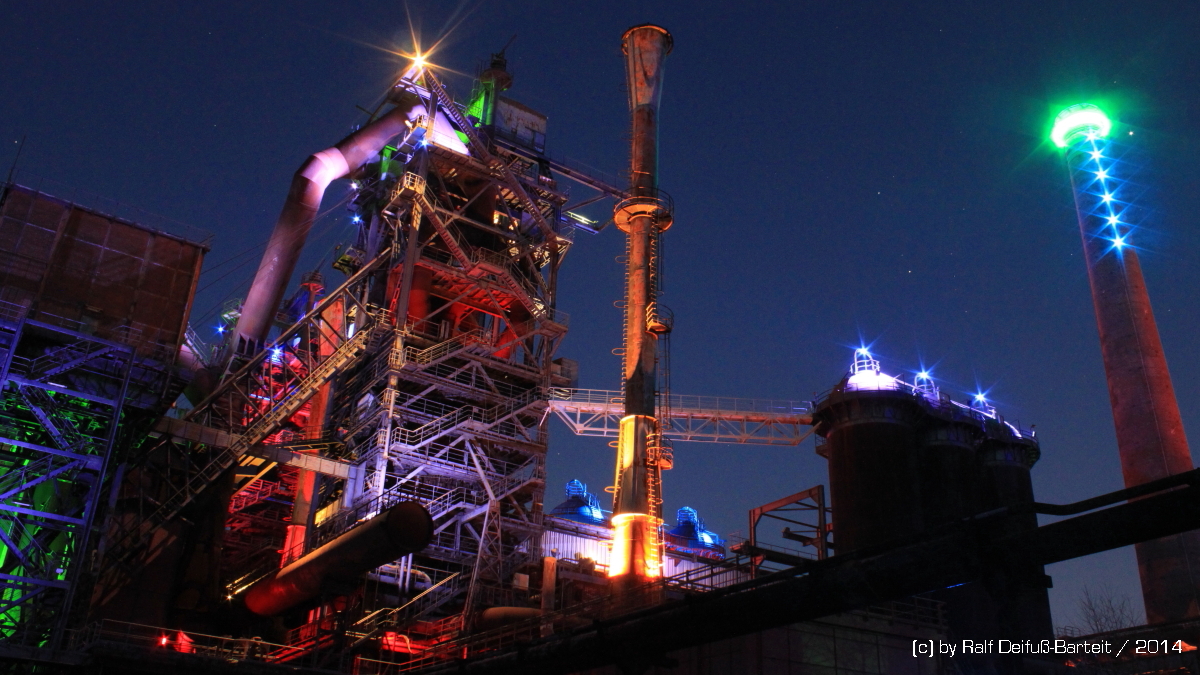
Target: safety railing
{"points": [[978, 411], [682, 403], [424, 602], [446, 348], [438, 500], [172, 640]]}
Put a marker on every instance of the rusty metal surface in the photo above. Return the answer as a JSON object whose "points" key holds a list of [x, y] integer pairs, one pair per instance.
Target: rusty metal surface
{"points": [[96, 274]]}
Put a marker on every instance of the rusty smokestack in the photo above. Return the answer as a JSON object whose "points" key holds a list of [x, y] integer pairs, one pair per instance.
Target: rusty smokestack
{"points": [[1150, 436], [644, 214]]}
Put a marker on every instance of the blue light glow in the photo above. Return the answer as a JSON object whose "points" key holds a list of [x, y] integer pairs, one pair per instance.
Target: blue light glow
{"points": [[1105, 208], [220, 330], [276, 353], [356, 219], [354, 185], [924, 375], [980, 398]]}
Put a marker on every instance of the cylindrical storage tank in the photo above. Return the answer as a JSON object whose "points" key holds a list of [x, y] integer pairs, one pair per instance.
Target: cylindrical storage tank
{"points": [[874, 467], [1006, 463], [952, 479], [1023, 603], [950, 472]]}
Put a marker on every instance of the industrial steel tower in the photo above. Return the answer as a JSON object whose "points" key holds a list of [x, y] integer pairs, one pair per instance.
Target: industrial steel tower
{"points": [[1150, 434], [643, 215], [421, 378]]}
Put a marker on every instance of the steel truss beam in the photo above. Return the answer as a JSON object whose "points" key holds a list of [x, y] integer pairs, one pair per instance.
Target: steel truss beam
{"points": [[701, 419]]}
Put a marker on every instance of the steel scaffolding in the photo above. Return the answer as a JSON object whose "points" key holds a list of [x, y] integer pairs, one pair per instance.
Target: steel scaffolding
{"points": [[62, 397], [423, 377]]}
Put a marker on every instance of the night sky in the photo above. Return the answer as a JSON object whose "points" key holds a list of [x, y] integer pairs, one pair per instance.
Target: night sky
{"points": [[842, 172]]}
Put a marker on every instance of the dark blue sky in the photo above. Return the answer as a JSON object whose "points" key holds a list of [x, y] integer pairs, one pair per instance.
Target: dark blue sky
{"points": [[840, 170]]}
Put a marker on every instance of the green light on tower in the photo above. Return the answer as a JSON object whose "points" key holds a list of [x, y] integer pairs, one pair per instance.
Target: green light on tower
{"points": [[1079, 119]]}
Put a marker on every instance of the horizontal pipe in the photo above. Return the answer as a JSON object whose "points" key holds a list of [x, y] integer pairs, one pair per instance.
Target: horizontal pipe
{"points": [[1186, 478], [1136, 522], [405, 528], [967, 552]]}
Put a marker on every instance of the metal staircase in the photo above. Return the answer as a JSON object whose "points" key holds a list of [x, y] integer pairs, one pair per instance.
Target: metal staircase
{"points": [[201, 477], [446, 349], [249, 406], [484, 419], [65, 358], [479, 262], [59, 426], [421, 605]]}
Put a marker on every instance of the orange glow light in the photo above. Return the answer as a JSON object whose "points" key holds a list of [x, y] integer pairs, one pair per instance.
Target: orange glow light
{"points": [[637, 547]]}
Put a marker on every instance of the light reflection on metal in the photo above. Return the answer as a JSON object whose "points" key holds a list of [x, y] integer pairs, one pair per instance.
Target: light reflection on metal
{"points": [[637, 546]]}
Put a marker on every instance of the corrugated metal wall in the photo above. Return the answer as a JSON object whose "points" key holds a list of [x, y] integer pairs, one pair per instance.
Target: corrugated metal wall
{"points": [[574, 546], [94, 273]]}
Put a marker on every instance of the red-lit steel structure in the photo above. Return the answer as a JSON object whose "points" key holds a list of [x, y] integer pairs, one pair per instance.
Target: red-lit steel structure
{"points": [[419, 379]]}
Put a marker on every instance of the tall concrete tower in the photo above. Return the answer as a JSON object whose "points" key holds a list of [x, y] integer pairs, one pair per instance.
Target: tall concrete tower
{"points": [[1150, 434]]}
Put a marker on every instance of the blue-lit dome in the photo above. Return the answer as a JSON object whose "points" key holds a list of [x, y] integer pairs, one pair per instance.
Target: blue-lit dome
{"points": [[581, 506], [689, 536]]}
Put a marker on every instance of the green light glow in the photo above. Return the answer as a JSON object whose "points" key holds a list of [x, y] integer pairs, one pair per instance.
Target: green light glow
{"points": [[1079, 119]]}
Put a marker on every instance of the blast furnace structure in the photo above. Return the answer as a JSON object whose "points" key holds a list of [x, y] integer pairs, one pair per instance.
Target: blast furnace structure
{"points": [[357, 481]]}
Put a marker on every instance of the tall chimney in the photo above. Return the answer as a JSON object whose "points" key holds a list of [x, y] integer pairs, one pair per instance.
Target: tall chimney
{"points": [[643, 215], [1150, 435]]}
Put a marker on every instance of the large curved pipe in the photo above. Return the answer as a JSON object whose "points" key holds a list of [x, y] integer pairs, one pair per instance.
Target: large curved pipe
{"points": [[296, 219], [405, 528], [203, 379]]}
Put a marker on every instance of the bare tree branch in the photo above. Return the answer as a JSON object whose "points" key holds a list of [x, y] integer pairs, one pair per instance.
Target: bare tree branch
{"points": [[1102, 610]]}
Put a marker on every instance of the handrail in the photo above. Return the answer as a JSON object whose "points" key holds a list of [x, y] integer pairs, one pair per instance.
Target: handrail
{"points": [[683, 403], [394, 611]]}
